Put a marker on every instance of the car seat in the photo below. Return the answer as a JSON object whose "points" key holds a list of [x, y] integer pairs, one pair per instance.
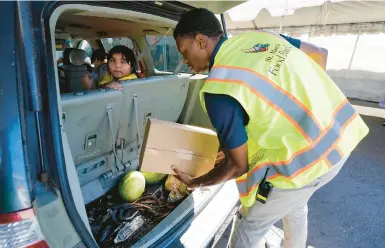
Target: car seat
{"points": [[75, 70]]}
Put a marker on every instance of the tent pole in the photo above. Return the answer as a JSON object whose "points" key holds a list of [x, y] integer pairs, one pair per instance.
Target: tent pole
{"points": [[352, 56], [286, 8], [224, 24]]}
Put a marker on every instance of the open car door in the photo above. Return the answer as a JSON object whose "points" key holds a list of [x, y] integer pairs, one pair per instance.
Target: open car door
{"points": [[217, 7]]}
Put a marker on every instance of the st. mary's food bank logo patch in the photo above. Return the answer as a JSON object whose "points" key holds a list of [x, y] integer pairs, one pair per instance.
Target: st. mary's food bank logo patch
{"points": [[257, 48]]}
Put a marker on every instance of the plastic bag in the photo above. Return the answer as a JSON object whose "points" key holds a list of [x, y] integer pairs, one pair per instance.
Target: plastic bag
{"points": [[174, 196], [129, 228]]}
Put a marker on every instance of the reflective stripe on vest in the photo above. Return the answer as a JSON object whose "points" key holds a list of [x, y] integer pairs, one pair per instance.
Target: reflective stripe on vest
{"points": [[275, 96], [324, 142], [323, 147]]}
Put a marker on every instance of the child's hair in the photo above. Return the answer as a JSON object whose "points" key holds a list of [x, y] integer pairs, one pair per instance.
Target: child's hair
{"points": [[127, 55], [99, 55]]}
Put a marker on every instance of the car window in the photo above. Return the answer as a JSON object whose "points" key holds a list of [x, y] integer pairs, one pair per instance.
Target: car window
{"points": [[109, 43], [165, 53]]}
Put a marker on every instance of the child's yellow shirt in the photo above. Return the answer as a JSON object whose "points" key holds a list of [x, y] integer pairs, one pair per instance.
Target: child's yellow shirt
{"points": [[108, 78]]}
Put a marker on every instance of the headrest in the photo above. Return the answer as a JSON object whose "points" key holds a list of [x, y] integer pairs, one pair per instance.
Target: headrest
{"points": [[66, 55], [78, 57]]}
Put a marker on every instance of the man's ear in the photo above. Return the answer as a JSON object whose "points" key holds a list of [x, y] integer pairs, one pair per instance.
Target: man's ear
{"points": [[201, 40]]}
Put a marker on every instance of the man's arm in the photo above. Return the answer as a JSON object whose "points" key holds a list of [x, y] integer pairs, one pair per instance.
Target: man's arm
{"points": [[229, 119], [236, 165], [318, 54]]}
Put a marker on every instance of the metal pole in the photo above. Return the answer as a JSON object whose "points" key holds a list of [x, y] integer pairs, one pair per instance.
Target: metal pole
{"points": [[353, 53], [286, 7], [280, 27], [224, 24], [29, 52]]}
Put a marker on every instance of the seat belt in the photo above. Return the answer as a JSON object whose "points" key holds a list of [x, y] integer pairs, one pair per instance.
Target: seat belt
{"points": [[136, 106], [141, 54], [111, 127], [159, 39]]}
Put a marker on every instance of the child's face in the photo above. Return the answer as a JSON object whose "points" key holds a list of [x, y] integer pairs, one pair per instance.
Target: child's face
{"points": [[118, 66]]}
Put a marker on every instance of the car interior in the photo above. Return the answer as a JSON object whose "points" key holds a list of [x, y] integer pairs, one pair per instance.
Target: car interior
{"points": [[103, 128]]}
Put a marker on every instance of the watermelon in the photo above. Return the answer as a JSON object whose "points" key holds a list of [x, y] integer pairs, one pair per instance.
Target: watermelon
{"points": [[132, 185], [153, 177]]}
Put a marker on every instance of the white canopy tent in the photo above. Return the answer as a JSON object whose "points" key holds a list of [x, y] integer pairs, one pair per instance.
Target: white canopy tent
{"points": [[356, 49], [314, 17], [352, 31]]}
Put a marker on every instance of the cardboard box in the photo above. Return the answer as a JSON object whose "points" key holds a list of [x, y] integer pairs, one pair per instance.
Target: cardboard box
{"points": [[191, 149]]}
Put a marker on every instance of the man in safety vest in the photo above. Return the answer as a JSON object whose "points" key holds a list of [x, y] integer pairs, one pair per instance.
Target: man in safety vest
{"points": [[285, 127]]}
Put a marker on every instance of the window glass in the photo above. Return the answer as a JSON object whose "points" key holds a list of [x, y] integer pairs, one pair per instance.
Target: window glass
{"points": [[109, 43], [165, 53]]}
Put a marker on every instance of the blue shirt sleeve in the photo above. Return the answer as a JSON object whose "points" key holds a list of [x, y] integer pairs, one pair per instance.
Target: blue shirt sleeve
{"points": [[293, 41], [228, 118]]}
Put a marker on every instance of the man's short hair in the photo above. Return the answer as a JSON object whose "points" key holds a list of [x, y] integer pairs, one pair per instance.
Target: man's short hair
{"points": [[198, 21]]}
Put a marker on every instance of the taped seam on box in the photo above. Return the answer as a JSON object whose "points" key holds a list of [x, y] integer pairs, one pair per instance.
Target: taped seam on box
{"points": [[177, 151]]}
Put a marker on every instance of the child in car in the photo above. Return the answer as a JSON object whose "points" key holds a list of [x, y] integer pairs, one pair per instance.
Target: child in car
{"points": [[99, 59], [121, 66]]}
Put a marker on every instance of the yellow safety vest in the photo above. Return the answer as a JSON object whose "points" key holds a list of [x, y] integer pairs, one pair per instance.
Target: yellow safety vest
{"points": [[300, 123]]}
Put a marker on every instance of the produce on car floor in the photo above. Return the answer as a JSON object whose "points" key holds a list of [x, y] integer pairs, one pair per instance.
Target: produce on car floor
{"points": [[131, 209]]}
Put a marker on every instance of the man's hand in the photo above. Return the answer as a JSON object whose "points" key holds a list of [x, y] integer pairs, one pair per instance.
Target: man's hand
{"points": [[114, 85], [220, 158], [184, 178], [235, 166]]}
